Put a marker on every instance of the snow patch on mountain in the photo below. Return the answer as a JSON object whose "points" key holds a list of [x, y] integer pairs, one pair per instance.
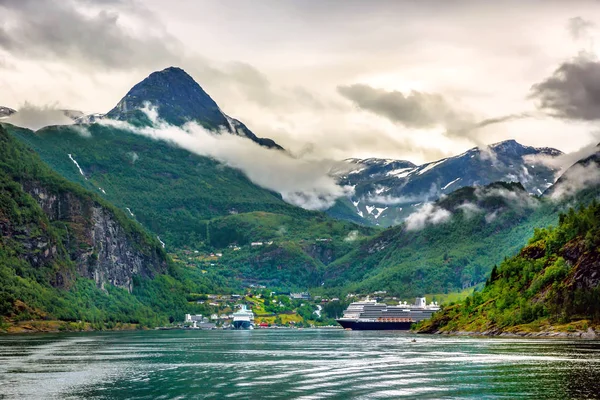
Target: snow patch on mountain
{"points": [[400, 172], [430, 166], [379, 212], [78, 167], [450, 183]]}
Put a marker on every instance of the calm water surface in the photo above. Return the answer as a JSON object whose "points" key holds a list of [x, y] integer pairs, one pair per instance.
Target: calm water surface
{"points": [[298, 364]]}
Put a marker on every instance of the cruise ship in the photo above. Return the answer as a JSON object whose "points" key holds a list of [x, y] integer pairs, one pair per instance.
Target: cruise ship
{"points": [[371, 315], [243, 318]]}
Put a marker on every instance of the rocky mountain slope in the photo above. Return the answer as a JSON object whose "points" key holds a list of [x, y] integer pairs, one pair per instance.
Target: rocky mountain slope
{"points": [[194, 203], [60, 242], [179, 99], [387, 191]]}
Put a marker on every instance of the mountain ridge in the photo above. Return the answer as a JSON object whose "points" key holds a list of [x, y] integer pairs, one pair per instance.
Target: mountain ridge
{"points": [[400, 186]]}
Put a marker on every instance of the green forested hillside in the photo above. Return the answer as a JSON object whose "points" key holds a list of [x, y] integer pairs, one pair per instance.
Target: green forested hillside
{"points": [[40, 274], [197, 205], [170, 191], [485, 225], [553, 280]]}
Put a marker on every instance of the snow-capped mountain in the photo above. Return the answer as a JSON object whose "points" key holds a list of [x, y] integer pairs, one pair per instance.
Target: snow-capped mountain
{"points": [[386, 191], [6, 112]]}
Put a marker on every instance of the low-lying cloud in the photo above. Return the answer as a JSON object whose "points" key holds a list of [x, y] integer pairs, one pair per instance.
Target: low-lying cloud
{"points": [[517, 198], [36, 117], [428, 214], [576, 178], [562, 162], [432, 194], [470, 209], [302, 182]]}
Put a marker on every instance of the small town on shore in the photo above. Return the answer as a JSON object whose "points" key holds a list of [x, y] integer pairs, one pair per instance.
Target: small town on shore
{"points": [[273, 310]]}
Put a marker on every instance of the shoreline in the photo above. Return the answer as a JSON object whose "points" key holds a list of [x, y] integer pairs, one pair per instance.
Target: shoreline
{"points": [[590, 334], [56, 326]]}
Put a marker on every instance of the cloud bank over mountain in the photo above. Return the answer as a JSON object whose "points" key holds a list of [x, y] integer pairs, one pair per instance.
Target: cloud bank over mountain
{"points": [[303, 182]]}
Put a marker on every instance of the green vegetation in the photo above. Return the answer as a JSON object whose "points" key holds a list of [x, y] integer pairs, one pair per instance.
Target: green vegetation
{"points": [[171, 191], [197, 204], [448, 257], [39, 278], [210, 215], [554, 280]]}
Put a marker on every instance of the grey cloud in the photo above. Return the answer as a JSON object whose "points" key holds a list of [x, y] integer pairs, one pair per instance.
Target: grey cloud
{"points": [[415, 110], [36, 117], [573, 90], [422, 110], [76, 31], [95, 35], [500, 120], [579, 27]]}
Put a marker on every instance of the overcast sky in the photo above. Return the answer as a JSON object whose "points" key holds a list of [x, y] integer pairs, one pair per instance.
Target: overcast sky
{"points": [[417, 80]]}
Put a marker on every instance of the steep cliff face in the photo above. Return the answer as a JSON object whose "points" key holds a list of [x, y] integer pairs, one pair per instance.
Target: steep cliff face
{"points": [[101, 248], [59, 227]]}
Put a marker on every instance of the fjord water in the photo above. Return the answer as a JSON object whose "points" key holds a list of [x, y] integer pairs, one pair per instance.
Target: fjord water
{"points": [[300, 364]]}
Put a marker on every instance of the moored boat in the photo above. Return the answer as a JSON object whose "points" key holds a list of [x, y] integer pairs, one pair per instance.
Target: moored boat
{"points": [[243, 318], [371, 315]]}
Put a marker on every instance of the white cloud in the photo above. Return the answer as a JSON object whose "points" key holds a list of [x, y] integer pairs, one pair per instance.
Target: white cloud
{"points": [[352, 236], [470, 209], [303, 182], [516, 197], [576, 178], [566, 160], [428, 214], [389, 200]]}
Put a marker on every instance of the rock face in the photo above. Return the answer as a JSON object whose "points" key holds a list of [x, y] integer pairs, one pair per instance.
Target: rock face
{"points": [[100, 246], [62, 231], [387, 191], [6, 112], [179, 99]]}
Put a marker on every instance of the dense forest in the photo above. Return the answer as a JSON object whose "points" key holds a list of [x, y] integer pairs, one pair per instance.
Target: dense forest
{"points": [[40, 268], [554, 280]]}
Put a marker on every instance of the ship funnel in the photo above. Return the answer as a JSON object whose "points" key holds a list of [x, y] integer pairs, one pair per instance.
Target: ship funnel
{"points": [[421, 302]]}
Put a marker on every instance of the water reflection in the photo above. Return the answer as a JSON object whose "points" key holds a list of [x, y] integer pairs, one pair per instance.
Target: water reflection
{"points": [[293, 364]]}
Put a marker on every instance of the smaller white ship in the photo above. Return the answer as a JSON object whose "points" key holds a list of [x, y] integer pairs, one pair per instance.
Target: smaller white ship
{"points": [[243, 318]]}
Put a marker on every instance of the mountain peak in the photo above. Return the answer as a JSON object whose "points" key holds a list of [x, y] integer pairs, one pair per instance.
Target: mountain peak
{"points": [[6, 112], [177, 96], [179, 99]]}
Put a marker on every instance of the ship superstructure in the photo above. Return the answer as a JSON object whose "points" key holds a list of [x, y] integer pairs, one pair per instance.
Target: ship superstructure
{"points": [[371, 315], [243, 318]]}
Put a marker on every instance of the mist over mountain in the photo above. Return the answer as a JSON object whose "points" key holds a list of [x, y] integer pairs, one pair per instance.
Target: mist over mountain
{"points": [[179, 99], [6, 112]]}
